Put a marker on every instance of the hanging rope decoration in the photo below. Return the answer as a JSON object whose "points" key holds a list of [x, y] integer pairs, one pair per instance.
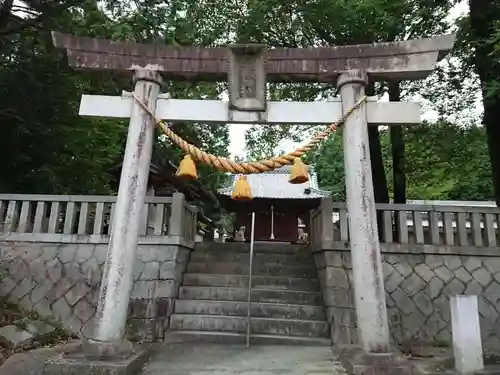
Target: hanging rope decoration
{"points": [[298, 175]]}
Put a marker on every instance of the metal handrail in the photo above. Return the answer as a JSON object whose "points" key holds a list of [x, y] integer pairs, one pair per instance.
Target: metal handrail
{"points": [[249, 302]]}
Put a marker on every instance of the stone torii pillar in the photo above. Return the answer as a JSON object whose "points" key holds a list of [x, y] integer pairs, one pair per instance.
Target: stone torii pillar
{"points": [[371, 311], [117, 279]]}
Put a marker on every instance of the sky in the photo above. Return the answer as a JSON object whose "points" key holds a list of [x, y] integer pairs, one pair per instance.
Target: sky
{"points": [[237, 131]]}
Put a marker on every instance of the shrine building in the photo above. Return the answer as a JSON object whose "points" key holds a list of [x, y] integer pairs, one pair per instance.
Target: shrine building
{"points": [[281, 208]]}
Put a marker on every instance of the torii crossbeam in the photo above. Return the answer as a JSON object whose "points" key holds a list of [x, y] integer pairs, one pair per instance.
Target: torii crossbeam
{"points": [[409, 60]]}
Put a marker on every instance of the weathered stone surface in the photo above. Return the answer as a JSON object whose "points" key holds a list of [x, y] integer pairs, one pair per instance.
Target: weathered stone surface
{"points": [[404, 268], [151, 271], [137, 271], [83, 310], [76, 293], [424, 271], [434, 287], [482, 276], [434, 261], [454, 288], [423, 303], [148, 330], [417, 295], [49, 252], [452, 262], [143, 290], [492, 265], [37, 328], [84, 253], [444, 273], [356, 362], [54, 270], [76, 363], [63, 282], [19, 269], [166, 288], [99, 254], [23, 288], [182, 255], [168, 271], [471, 264], [67, 253], [153, 253], [40, 291], [393, 281], [88, 329], [7, 285], [413, 284], [463, 275], [336, 277], [15, 337]]}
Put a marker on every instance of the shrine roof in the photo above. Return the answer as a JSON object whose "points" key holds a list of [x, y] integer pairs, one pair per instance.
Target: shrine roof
{"points": [[275, 185]]}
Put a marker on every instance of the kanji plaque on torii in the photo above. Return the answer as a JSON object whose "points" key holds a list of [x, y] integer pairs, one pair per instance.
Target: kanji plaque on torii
{"points": [[248, 67]]}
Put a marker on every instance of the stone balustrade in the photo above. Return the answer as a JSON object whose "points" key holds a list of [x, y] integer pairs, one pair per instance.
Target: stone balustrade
{"points": [[88, 219], [421, 228], [53, 251], [429, 254]]}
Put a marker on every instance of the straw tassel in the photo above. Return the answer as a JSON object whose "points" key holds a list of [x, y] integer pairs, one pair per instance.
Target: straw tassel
{"points": [[299, 173], [242, 190], [187, 169]]}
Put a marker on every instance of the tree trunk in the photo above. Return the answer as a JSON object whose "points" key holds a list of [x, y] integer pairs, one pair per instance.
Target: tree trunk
{"points": [[378, 173], [484, 14]]}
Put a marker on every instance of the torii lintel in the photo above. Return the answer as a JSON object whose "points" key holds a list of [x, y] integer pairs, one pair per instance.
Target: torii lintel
{"points": [[404, 60]]}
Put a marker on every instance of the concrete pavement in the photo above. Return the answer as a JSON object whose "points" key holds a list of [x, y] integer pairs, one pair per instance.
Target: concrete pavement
{"points": [[213, 359]]}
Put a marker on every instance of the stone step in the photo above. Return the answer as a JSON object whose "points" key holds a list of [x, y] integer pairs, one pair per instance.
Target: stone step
{"points": [[258, 295], [272, 248], [236, 308], [259, 258], [285, 327], [240, 338], [234, 268], [263, 282]]}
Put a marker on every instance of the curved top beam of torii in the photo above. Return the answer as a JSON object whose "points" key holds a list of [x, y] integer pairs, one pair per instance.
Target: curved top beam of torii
{"points": [[405, 60]]}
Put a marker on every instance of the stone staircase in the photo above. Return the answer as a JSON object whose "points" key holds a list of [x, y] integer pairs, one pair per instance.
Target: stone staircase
{"points": [[286, 302]]}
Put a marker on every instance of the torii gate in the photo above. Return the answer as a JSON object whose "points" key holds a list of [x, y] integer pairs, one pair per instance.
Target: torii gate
{"points": [[248, 67]]}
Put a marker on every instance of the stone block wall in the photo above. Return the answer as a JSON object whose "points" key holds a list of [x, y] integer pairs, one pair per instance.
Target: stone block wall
{"points": [[62, 282], [418, 289]]}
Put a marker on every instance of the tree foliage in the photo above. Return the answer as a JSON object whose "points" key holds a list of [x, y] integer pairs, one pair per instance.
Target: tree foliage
{"points": [[443, 161], [338, 22], [46, 146]]}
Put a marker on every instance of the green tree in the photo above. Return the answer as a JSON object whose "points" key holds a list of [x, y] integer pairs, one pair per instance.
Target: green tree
{"points": [[328, 162], [443, 161], [46, 146], [327, 23], [49, 148]]}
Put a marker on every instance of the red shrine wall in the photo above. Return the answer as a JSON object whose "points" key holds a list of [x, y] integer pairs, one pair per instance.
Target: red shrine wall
{"points": [[285, 213]]}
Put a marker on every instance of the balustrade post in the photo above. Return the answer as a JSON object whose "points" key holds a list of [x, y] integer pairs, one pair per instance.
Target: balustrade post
{"points": [[326, 223], [176, 215]]}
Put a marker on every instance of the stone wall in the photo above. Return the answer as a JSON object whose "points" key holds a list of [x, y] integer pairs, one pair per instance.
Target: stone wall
{"points": [[62, 282], [418, 288]]}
